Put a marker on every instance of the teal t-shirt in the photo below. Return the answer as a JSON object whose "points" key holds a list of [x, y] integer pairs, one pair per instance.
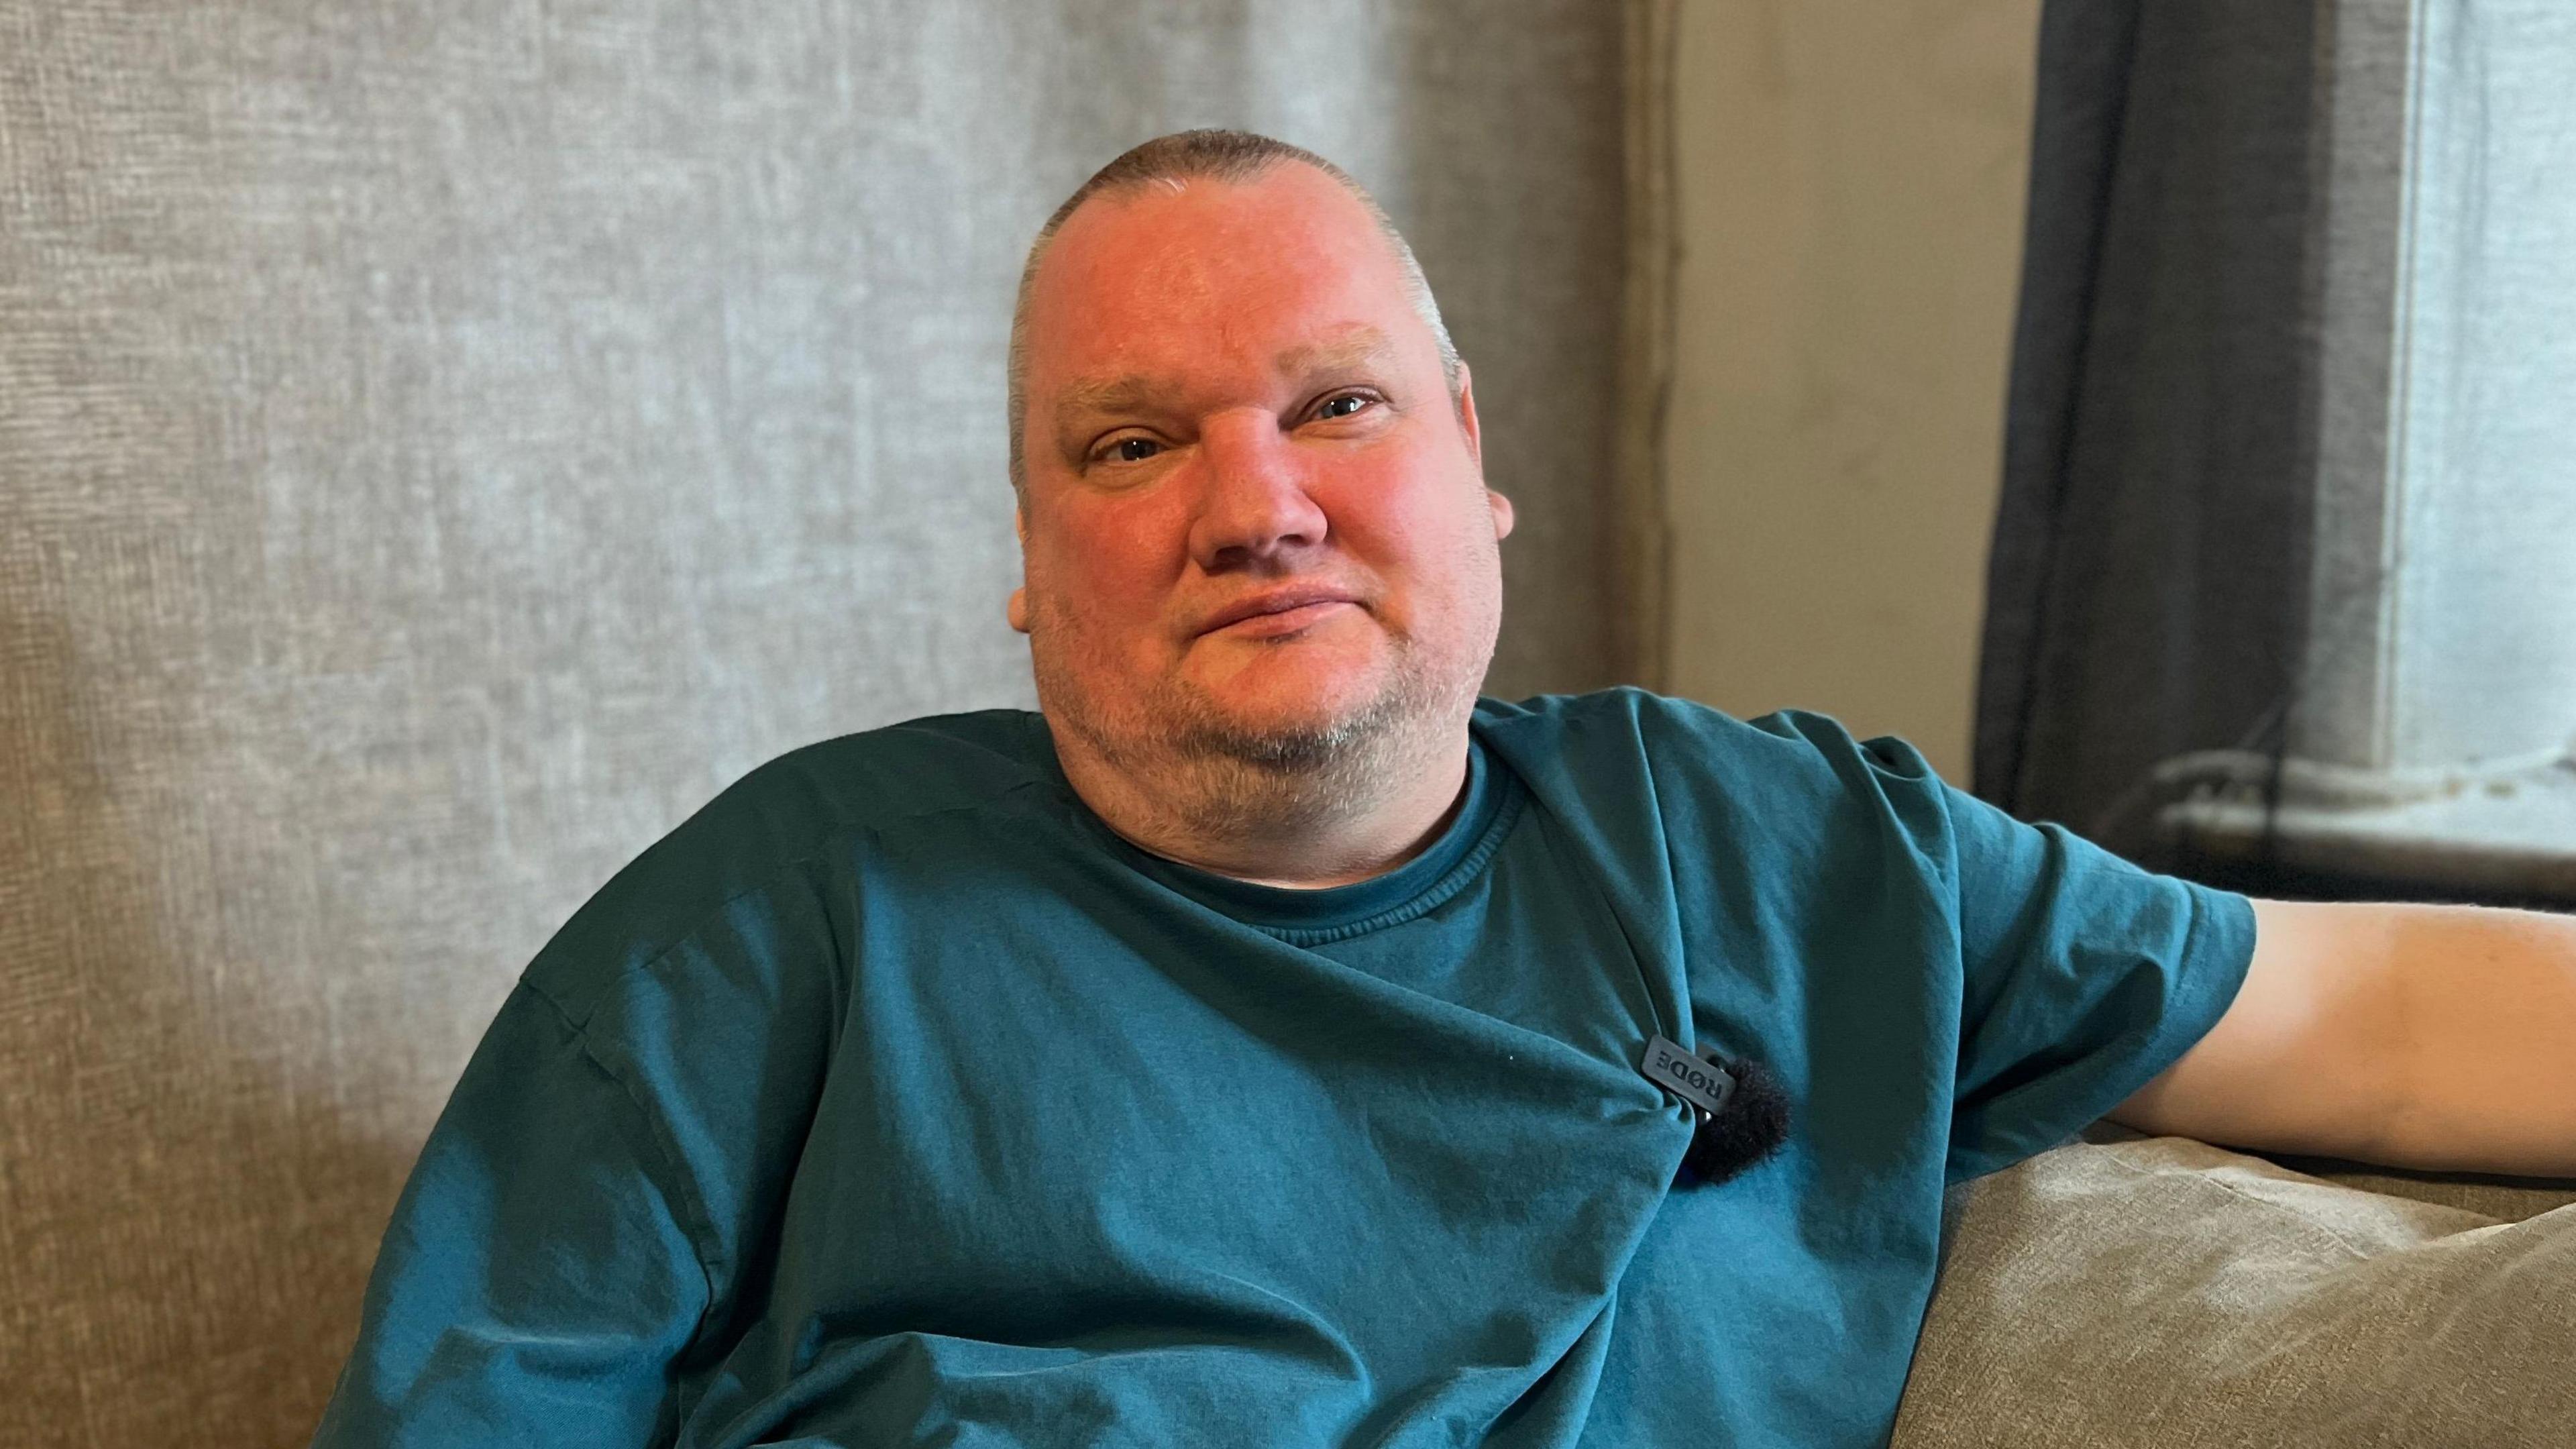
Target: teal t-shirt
{"points": [[894, 1100]]}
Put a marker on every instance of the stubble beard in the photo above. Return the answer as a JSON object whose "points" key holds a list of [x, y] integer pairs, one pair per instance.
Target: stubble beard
{"points": [[1212, 773]]}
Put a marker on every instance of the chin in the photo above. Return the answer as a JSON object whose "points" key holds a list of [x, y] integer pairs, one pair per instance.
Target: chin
{"points": [[1304, 721], [1294, 701]]}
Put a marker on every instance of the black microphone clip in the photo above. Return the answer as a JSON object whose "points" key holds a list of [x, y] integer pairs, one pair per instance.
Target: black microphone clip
{"points": [[1740, 1109]]}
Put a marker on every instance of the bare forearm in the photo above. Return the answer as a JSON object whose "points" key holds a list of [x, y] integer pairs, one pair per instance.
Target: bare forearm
{"points": [[2485, 1004], [2437, 1037]]}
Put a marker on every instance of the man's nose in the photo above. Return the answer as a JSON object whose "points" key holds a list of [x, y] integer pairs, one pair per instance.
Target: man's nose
{"points": [[1255, 506]]}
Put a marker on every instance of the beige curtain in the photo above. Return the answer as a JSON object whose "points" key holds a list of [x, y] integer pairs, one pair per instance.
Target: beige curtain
{"points": [[441, 445]]}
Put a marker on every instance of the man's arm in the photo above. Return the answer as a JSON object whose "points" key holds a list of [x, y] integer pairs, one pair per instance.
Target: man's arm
{"points": [[537, 1282], [2434, 1037]]}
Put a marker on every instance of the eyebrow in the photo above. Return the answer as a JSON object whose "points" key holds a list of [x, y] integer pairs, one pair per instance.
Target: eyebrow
{"points": [[1111, 395], [1350, 348], [1347, 349]]}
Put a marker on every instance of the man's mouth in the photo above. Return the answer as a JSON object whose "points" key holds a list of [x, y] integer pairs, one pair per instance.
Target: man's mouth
{"points": [[1279, 611]]}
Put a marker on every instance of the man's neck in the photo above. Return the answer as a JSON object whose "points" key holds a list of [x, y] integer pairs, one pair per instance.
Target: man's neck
{"points": [[1327, 826]]}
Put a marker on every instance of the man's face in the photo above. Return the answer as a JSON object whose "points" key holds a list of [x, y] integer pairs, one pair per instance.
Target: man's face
{"points": [[1254, 522]]}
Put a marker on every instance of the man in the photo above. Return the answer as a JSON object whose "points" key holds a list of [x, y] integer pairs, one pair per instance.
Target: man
{"points": [[1247, 1049]]}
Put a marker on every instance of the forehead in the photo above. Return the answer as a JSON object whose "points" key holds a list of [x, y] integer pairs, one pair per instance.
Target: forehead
{"points": [[1206, 275]]}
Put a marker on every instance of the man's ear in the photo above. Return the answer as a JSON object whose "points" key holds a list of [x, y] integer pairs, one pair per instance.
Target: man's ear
{"points": [[1017, 609], [1467, 416], [1501, 506]]}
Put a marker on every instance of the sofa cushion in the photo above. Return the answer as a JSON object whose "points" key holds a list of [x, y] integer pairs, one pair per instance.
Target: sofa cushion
{"points": [[2164, 1292]]}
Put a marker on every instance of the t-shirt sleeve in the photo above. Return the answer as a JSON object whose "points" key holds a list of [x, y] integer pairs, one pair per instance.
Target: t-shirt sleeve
{"points": [[2084, 977], [541, 1272]]}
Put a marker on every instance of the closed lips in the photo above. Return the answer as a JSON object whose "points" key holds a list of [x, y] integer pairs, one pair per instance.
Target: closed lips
{"points": [[1278, 601]]}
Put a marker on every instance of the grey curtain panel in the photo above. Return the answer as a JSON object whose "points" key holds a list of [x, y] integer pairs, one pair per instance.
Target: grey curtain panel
{"points": [[2146, 590], [441, 446], [2280, 588]]}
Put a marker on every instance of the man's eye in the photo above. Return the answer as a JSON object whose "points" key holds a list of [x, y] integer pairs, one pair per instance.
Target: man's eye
{"points": [[1133, 450], [1342, 406]]}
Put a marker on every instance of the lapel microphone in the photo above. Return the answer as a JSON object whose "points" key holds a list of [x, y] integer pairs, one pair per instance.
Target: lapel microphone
{"points": [[1741, 1109]]}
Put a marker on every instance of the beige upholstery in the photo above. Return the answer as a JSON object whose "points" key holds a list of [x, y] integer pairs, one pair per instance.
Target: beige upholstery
{"points": [[2166, 1294], [440, 445]]}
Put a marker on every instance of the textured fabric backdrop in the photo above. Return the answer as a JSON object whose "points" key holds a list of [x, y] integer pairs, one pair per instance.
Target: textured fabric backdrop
{"points": [[442, 445]]}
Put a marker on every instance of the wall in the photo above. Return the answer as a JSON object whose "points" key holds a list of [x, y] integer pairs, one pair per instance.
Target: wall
{"points": [[1850, 189]]}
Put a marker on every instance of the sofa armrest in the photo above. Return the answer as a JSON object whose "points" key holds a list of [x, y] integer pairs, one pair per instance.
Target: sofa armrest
{"points": [[2161, 1291]]}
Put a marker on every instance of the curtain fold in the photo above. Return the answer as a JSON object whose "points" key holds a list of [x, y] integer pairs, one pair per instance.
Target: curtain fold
{"points": [[2146, 590]]}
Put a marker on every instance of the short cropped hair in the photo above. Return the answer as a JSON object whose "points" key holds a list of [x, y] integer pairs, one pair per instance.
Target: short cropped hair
{"points": [[1216, 155]]}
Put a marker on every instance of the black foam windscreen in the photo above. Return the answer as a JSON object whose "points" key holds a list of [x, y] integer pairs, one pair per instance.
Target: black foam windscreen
{"points": [[1753, 1125]]}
